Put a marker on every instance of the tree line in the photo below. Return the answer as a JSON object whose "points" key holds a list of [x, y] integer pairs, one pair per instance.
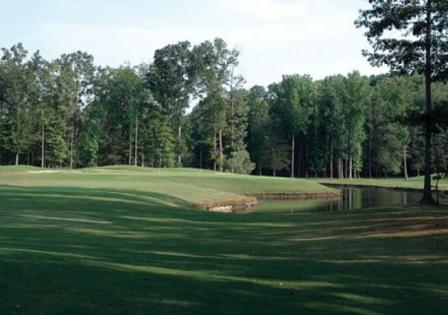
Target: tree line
{"points": [[69, 113]]}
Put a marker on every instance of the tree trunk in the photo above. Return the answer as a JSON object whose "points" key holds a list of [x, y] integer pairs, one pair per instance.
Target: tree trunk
{"points": [[274, 172], [221, 152], [350, 167], [232, 112], [405, 163], [42, 157], [340, 168], [214, 151], [370, 151], [200, 159], [331, 161], [293, 149], [299, 159], [427, 196], [136, 141], [130, 145], [17, 159], [179, 138], [307, 160], [72, 136], [345, 168]]}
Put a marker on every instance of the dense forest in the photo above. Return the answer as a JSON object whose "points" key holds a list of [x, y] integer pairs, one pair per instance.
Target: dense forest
{"points": [[190, 108]]}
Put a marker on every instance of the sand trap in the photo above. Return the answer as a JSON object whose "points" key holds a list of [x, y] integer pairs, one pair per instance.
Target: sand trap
{"points": [[44, 172], [54, 172]]}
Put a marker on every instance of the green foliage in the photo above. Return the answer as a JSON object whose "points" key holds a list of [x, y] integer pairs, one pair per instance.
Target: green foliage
{"points": [[388, 134], [295, 98], [67, 112], [159, 141], [171, 79], [237, 118], [398, 33], [355, 96], [259, 121], [410, 37], [239, 162], [275, 154], [55, 143], [89, 136], [328, 125], [15, 78]]}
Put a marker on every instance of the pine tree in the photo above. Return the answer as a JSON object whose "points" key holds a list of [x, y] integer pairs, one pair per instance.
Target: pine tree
{"points": [[15, 76], [410, 37], [258, 121]]}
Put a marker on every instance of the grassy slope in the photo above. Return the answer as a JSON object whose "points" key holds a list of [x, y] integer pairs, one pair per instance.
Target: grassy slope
{"points": [[91, 249], [412, 183], [187, 186]]}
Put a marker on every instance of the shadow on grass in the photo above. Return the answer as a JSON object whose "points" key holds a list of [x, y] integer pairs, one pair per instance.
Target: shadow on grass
{"points": [[102, 251]]}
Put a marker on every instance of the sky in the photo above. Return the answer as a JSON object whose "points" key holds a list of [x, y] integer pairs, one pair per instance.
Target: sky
{"points": [[275, 37]]}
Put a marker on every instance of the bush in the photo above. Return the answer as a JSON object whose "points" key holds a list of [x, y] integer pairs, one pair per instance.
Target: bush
{"points": [[239, 162]]}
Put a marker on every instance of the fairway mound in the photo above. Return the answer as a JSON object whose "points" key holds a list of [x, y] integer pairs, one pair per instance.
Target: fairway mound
{"points": [[185, 188]]}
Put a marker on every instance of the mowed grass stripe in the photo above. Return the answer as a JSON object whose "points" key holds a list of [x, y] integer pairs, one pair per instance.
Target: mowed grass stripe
{"points": [[93, 246]]}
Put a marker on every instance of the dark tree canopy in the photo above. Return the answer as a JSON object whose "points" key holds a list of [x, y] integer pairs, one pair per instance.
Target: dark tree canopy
{"points": [[400, 31]]}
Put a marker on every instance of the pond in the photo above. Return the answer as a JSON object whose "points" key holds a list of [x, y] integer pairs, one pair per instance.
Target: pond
{"points": [[351, 199]]}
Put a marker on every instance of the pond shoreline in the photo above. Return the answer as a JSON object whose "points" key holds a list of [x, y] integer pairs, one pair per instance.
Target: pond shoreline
{"points": [[253, 199], [376, 187], [299, 196]]}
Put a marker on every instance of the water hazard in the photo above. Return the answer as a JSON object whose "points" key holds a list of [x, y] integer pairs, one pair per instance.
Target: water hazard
{"points": [[352, 199]]}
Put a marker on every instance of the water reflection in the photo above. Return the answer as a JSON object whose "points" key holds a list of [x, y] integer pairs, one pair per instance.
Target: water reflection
{"points": [[352, 199]]}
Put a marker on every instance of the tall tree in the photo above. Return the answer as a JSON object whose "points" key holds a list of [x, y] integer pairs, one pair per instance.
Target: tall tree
{"points": [[355, 96], [293, 102], [76, 73], [410, 37], [171, 79], [236, 130], [213, 63], [258, 120], [42, 93], [393, 97], [330, 124], [16, 78]]}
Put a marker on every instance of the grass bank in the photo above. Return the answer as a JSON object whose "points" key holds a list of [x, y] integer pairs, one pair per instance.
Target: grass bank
{"points": [[188, 187]]}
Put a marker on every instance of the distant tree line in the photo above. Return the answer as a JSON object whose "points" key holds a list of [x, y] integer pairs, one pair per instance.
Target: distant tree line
{"points": [[69, 113]]}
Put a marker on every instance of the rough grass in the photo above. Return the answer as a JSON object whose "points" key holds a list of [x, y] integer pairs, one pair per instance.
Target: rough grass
{"points": [[88, 243]]}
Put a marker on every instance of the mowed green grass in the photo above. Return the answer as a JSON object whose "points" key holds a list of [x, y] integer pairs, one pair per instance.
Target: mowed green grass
{"points": [[114, 242], [186, 186]]}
